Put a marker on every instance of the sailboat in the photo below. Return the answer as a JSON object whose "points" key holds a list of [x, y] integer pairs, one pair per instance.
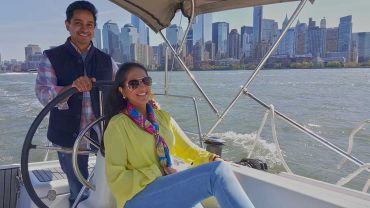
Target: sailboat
{"points": [[43, 184]]}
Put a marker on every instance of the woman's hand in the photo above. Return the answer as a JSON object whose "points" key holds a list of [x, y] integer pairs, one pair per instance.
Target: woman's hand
{"points": [[169, 170]]}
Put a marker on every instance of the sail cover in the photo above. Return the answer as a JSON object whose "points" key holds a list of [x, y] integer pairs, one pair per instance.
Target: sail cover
{"points": [[157, 14]]}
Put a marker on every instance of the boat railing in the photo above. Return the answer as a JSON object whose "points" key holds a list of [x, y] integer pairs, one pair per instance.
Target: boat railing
{"points": [[346, 155], [194, 101]]}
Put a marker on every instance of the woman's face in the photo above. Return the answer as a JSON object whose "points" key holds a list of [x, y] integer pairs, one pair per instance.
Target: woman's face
{"points": [[136, 87]]}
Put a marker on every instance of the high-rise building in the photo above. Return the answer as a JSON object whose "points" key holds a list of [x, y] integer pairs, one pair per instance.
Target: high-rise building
{"points": [[97, 38], [174, 34], [362, 40], [285, 23], [345, 35], [142, 53], [311, 23], [269, 30], [198, 55], [332, 39], [220, 32], [246, 41], [323, 23], [257, 24], [189, 42], [316, 41], [128, 36], [234, 44], [142, 30], [246, 29], [286, 46], [300, 39], [111, 41], [209, 47], [31, 49], [202, 28]]}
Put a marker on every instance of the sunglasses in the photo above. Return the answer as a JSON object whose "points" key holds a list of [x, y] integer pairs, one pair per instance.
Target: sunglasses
{"points": [[135, 83]]}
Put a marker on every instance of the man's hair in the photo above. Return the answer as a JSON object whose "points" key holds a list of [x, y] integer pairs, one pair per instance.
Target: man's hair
{"points": [[81, 5]]}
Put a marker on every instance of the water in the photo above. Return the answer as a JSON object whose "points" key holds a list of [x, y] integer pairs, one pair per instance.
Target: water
{"points": [[331, 102]]}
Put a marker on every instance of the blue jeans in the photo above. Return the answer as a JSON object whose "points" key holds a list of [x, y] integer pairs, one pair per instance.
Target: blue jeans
{"points": [[187, 188], [65, 160]]}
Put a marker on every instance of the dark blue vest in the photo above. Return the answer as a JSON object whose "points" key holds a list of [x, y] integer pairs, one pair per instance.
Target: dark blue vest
{"points": [[64, 125]]}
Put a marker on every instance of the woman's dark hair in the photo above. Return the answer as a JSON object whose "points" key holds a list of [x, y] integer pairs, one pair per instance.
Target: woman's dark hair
{"points": [[81, 5], [116, 103]]}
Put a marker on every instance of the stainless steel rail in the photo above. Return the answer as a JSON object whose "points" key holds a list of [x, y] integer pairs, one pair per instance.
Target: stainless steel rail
{"points": [[196, 114], [307, 131]]}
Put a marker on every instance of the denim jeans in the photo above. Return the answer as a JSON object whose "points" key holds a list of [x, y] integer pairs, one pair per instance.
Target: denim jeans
{"points": [[187, 188], [65, 160]]}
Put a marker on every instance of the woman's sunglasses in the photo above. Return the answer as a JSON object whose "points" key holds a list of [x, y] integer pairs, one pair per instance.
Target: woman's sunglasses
{"points": [[135, 83]]}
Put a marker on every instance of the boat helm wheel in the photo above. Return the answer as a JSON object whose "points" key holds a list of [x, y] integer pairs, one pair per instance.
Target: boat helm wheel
{"points": [[28, 142]]}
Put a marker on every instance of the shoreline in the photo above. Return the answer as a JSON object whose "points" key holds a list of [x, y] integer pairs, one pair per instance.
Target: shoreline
{"points": [[221, 69]]}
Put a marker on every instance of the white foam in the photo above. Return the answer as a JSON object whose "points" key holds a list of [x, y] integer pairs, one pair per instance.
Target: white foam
{"points": [[263, 150]]}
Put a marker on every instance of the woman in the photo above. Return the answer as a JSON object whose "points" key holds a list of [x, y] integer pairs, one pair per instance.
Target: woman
{"points": [[139, 142]]}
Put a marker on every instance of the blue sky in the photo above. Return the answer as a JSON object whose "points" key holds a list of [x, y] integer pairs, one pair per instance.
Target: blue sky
{"points": [[42, 21]]}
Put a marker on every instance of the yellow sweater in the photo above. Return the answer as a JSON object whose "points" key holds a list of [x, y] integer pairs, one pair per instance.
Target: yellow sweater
{"points": [[130, 157]]}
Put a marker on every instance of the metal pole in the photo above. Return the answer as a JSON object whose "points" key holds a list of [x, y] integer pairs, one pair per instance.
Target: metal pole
{"points": [[101, 114], [166, 72], [260, 65], [198, 122]]}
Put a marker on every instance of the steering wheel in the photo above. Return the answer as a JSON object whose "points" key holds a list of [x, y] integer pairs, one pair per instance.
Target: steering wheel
{"points": [[28, 145]]}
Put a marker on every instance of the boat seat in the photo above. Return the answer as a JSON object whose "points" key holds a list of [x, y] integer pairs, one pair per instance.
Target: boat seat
{"points": [[102, 196], [9, 185]]}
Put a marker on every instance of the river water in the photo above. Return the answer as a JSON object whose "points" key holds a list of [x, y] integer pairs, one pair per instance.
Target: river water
{"points": [[330, 102]]}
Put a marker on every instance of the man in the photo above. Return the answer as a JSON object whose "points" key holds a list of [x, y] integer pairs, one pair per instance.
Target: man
{"points": [[76, 63]]}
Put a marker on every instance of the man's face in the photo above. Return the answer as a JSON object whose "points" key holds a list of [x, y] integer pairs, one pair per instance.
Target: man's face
{"points": [[81, 27]]}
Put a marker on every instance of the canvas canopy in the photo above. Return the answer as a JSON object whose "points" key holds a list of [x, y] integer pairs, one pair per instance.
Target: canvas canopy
{"points": [[157, 14]]}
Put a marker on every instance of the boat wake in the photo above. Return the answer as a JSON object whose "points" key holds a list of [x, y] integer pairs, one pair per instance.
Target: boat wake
{"points": [[241, 144]]}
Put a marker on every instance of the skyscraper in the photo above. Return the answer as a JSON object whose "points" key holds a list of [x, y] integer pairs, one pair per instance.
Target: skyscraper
{"points": [[286, 47], [234, 44], [345, 35], [111, 41], [317, 41], [246, 41], [189, 42], [257, 24], [31, 49], [269, 30], [202, 28], [332, 39], [97, 38], [174, 34], [323, 23], [362, 40], [128, 36], [220, 32], [300, 38], [141, 29]]}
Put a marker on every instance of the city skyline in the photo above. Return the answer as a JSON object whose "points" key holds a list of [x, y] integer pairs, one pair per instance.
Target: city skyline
{"points": [[52, 32]]}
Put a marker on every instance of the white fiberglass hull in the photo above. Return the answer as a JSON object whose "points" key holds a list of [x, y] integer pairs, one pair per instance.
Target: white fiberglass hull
{"points": [[264, 189]]}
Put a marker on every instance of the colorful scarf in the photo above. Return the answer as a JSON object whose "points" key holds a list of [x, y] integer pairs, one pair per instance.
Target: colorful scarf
{"points": [[151, 126]]}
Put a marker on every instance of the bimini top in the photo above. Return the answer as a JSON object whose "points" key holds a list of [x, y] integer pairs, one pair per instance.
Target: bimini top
{"points": [[157, 14]]}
